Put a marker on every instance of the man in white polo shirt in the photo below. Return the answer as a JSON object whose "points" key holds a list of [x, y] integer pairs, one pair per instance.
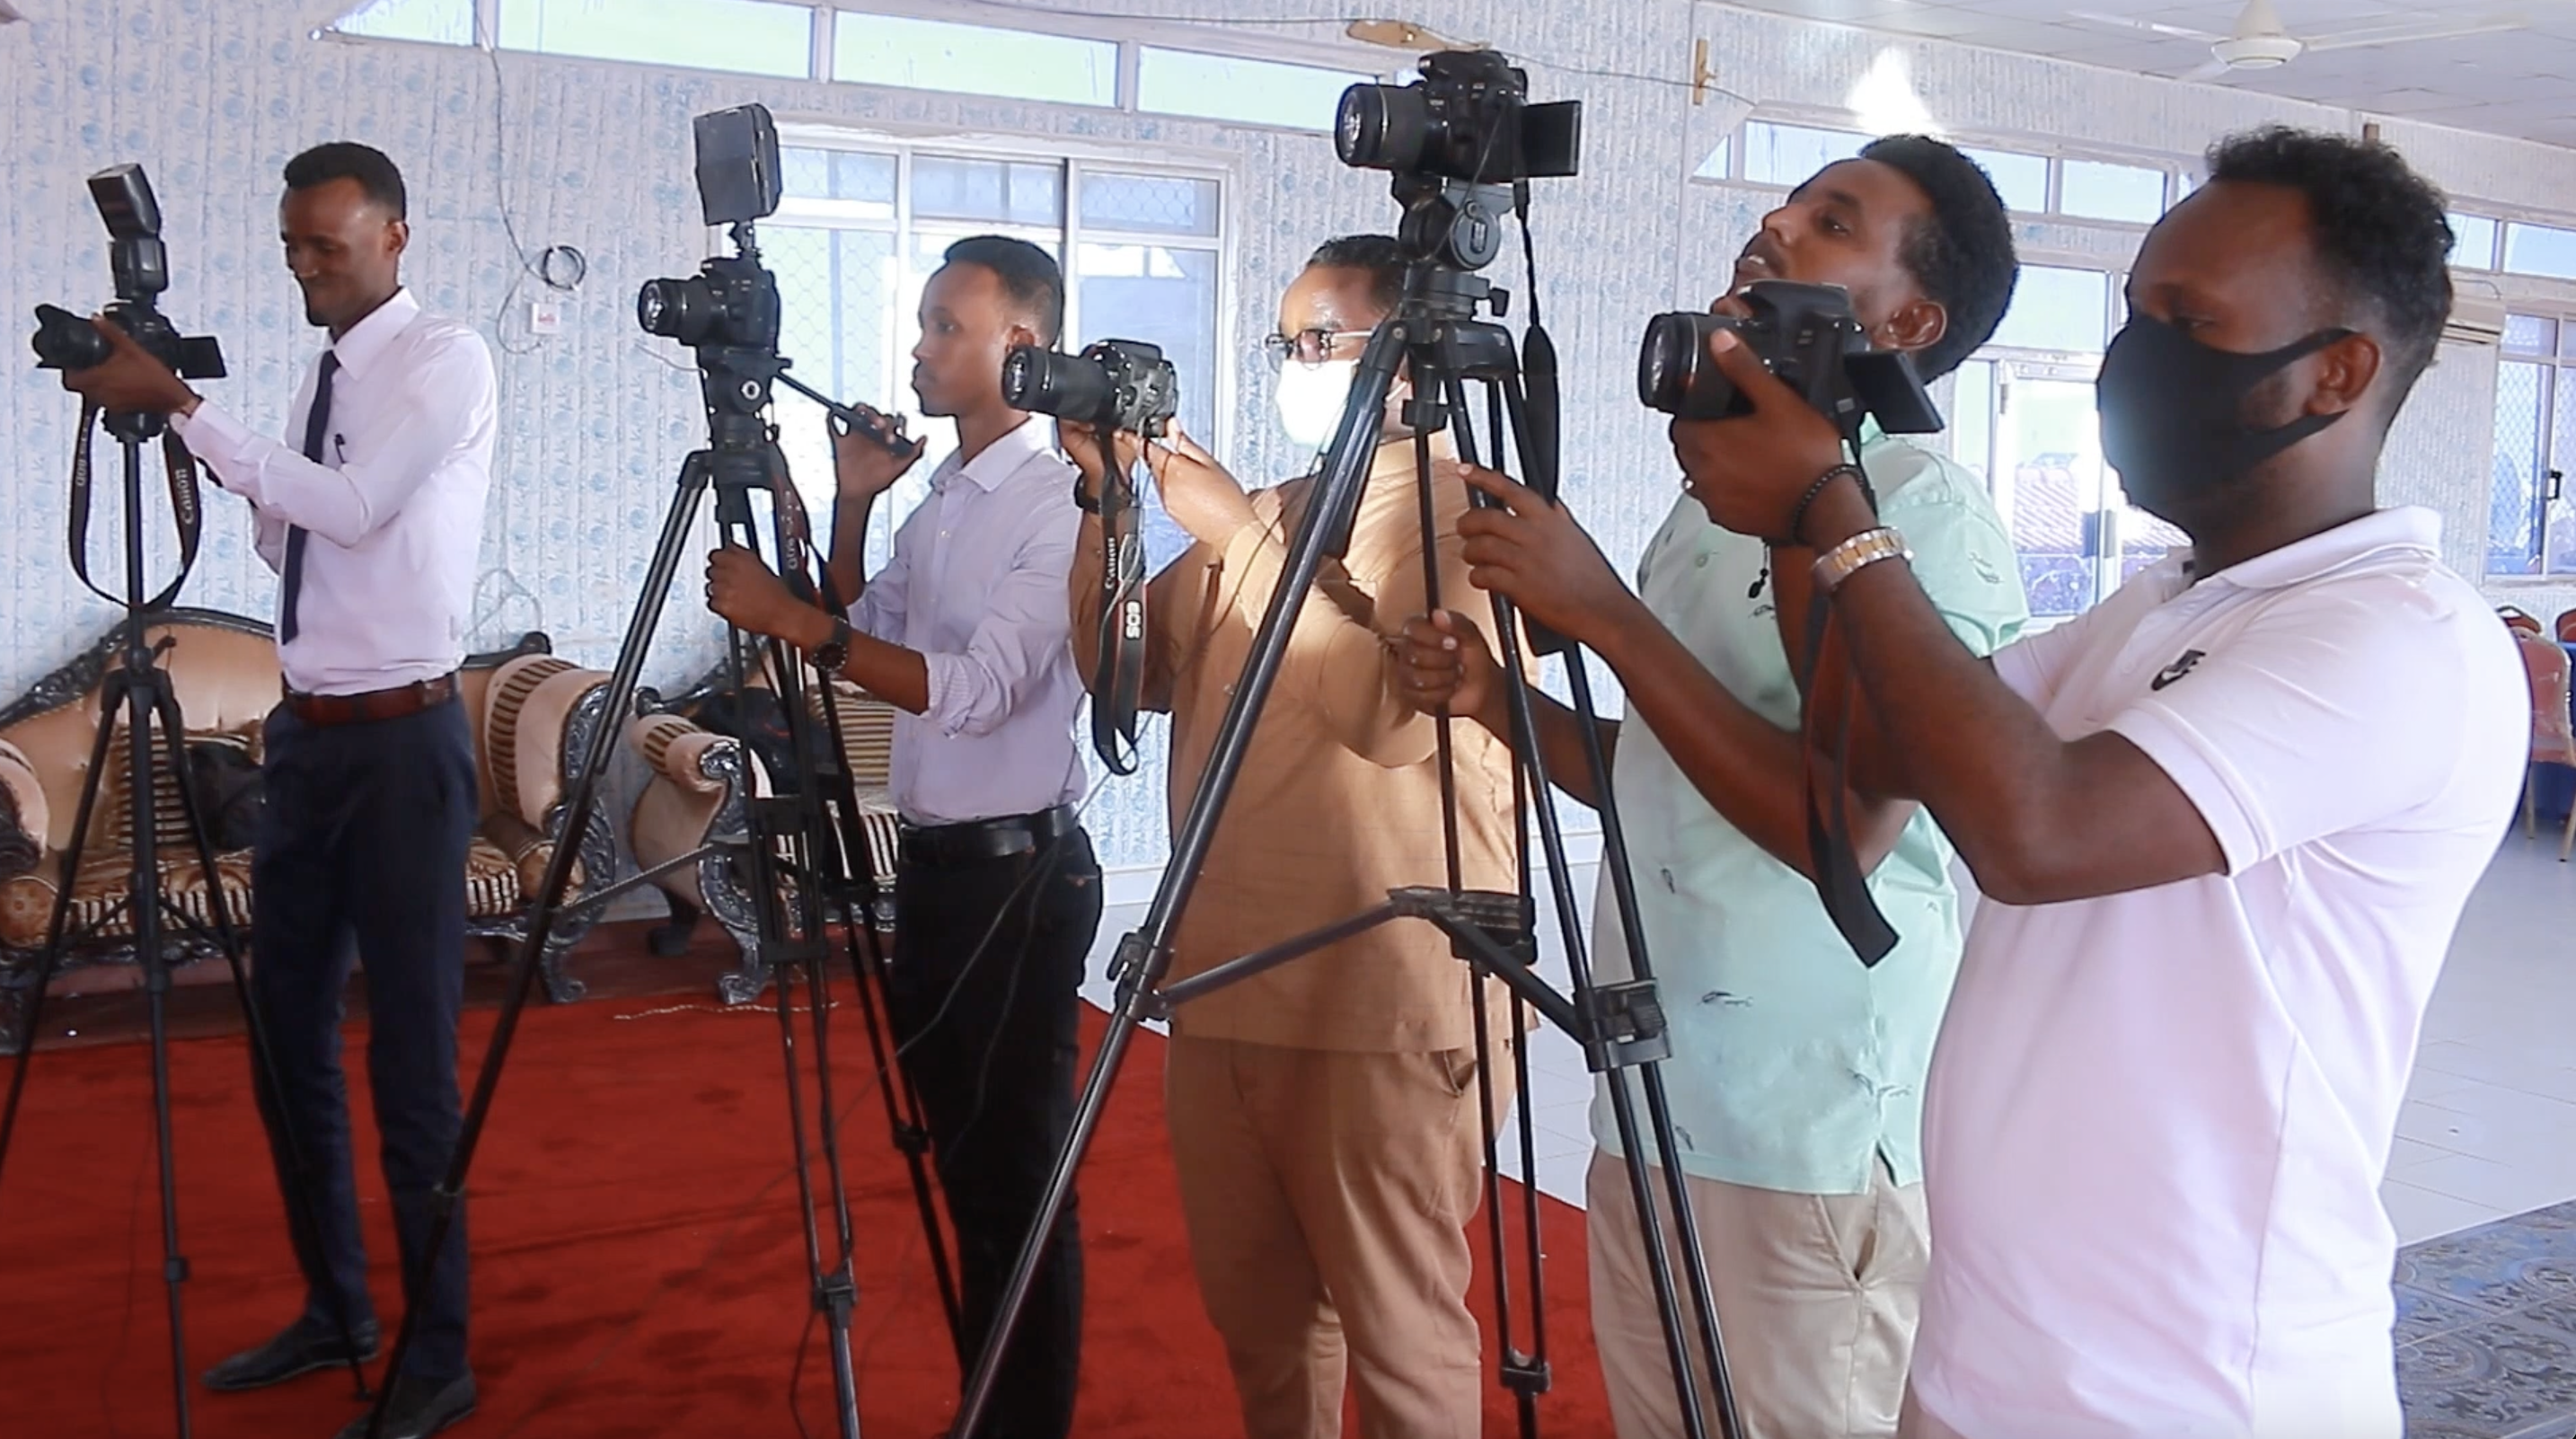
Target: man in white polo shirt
{"points": [[2227, 822]]}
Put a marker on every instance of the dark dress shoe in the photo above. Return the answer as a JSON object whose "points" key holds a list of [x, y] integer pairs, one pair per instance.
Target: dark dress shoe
{"points": [[300, 1348], [419, 1408]]}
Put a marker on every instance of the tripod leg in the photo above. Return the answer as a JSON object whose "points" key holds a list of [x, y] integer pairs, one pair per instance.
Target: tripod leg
{"points": [[577, 806], [904, 1118]]}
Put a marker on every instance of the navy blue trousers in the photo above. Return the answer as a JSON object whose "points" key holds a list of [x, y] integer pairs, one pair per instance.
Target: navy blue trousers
{"points": [[985, 993], [361, 856]]}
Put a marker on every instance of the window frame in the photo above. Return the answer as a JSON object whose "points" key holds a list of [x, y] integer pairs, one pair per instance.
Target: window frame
{"points": [[2181, 175], [2559, 369], [1132, 35]]}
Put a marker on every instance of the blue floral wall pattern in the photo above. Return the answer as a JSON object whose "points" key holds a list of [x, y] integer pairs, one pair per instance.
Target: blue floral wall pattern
{"points": [[214, 95]]}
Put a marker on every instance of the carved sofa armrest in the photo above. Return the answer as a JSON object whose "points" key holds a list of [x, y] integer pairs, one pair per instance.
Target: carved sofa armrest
{"points": [[24, 816]]}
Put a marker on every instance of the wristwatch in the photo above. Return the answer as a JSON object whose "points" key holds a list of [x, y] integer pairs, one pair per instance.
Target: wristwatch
{"points": [[1856, 554], [833, 653]]}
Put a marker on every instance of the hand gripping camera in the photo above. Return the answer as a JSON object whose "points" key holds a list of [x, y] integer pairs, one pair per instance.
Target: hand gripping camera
{"points": [[1805, 334], [141, 266], [1123, 385]]}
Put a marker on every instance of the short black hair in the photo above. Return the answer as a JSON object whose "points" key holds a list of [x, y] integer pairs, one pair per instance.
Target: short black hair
{"points": [[377, 175], [2380, 232], [1029, 275], [1380, 255], [1962, 253]]}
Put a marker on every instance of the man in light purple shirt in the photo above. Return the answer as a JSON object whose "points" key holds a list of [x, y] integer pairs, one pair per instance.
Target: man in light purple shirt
{"points": [[997, 894]]}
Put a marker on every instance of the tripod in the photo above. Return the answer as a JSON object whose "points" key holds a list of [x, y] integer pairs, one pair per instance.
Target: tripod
{"points": [[1435, 334], [785, 834], [138, 694]]}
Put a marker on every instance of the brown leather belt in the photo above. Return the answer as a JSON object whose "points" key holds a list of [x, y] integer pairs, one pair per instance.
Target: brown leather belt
{"points": [[372, 705]]}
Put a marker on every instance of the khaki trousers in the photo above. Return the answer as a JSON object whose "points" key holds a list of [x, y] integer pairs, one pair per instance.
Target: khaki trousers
{"points": [[1327, 1196], [1816, 1300]]}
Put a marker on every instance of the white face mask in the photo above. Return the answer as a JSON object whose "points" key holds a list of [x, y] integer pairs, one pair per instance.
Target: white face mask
{"points": [[1311, 398]]}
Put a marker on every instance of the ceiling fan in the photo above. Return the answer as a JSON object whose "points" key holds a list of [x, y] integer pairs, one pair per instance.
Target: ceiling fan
{"points": [[2261, 42]]}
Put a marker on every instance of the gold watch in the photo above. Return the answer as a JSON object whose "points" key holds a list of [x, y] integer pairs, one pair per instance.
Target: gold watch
{"points": [[1856, 554]]}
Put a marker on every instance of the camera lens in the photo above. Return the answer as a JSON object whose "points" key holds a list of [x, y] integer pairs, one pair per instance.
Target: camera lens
{"points": [[1382, 127], [1674, 374], [65, 341], [681, 310], [1050, 382]]}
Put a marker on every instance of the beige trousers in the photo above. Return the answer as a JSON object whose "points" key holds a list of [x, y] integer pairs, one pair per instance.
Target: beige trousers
{"points": [[1816, 1300], [1327, 1196]]}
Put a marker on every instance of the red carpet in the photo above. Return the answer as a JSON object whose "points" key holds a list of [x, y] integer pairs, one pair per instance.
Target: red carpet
{"points": [[638, 1260]]}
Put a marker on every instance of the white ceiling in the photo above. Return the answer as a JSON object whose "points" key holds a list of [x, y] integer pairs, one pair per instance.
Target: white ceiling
{"points": [[2518, 82]]}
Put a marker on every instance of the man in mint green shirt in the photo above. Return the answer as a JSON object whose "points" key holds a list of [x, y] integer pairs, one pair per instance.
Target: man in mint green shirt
{"points": [[1797, 1073]]}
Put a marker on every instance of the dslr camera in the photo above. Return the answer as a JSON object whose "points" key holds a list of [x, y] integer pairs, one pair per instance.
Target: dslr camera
{"points": [[1123, 385], [728, 311], [1458, 141], [141, 266], [1805, 334]]}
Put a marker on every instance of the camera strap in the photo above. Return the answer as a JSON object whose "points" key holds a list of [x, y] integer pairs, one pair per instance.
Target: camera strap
{"points": [[184, 510], [1118, 663], [1840, 881]]}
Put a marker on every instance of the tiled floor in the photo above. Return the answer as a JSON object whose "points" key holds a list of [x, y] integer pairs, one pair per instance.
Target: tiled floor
{"points": [[2489, 1127]]}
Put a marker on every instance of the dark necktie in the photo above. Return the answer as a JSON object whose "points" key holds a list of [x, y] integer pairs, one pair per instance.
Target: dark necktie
{"points": [[314, 425]]}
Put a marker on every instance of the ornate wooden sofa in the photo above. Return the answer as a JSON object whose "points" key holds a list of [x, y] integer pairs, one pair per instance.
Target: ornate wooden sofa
{"points": [[697, 794], [531, 713]]}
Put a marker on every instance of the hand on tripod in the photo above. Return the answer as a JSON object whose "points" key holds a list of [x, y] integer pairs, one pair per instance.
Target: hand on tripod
{"points": [[1440, 661], [747, 595], [129, 381], [1532, 553]]}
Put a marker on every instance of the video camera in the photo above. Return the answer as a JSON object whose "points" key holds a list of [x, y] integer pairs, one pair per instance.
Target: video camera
{"points": [[1123, 385], [1805, 334], [141, 266], [1459, 141]]}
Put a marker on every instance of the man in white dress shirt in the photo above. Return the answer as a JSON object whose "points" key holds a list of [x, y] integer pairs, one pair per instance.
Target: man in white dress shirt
{"points": [[997, 895], [2226, 823], [372, 524]]}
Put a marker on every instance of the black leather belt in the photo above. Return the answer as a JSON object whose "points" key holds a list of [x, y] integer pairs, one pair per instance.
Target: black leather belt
{"points": [[986, 839]]}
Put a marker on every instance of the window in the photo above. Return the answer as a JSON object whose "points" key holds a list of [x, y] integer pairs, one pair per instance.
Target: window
{"points": [[1255, 92], [1789, 154], [973, 59], [1062, 57], [2540, 250], [861, 230], [756, 37], [2473, 241], [2531, 522], [2022, 416], [440, 22], [1719, 163], [2095, 190], [2022, 180]]}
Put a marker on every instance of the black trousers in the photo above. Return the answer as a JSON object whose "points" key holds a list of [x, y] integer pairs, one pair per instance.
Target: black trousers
{"points": [[361, 855], [989, 1029]]}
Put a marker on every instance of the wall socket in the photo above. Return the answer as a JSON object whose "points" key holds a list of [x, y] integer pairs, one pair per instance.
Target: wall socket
{"points": [[545, 316]]}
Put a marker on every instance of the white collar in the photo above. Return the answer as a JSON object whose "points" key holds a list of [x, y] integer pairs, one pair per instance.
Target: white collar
{"points": [[1002, 459], [368, 338], [2403, 527]]}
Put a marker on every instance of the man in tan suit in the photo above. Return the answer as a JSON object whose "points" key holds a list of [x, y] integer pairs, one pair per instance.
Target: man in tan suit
{"points": [[1324, 1113]]}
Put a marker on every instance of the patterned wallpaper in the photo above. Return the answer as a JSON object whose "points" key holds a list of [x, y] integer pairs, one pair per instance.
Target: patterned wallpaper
{"points": [[214, 95]]}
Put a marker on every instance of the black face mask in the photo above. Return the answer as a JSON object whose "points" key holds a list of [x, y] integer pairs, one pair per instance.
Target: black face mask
{"points": [[2173, 412]]}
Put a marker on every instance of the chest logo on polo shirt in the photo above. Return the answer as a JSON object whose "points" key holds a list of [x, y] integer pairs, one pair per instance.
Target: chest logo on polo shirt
{"points": [[2180, 667]]}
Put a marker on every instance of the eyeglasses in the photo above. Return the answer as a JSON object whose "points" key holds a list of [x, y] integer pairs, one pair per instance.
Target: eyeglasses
{"points": [[1310, 347]]}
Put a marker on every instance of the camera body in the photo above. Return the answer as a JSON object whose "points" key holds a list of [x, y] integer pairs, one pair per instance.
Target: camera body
{"points": [[732, 302], [1123, 385], [140, 265], [1803, 333], [1468, 118], [1459, 141]]}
